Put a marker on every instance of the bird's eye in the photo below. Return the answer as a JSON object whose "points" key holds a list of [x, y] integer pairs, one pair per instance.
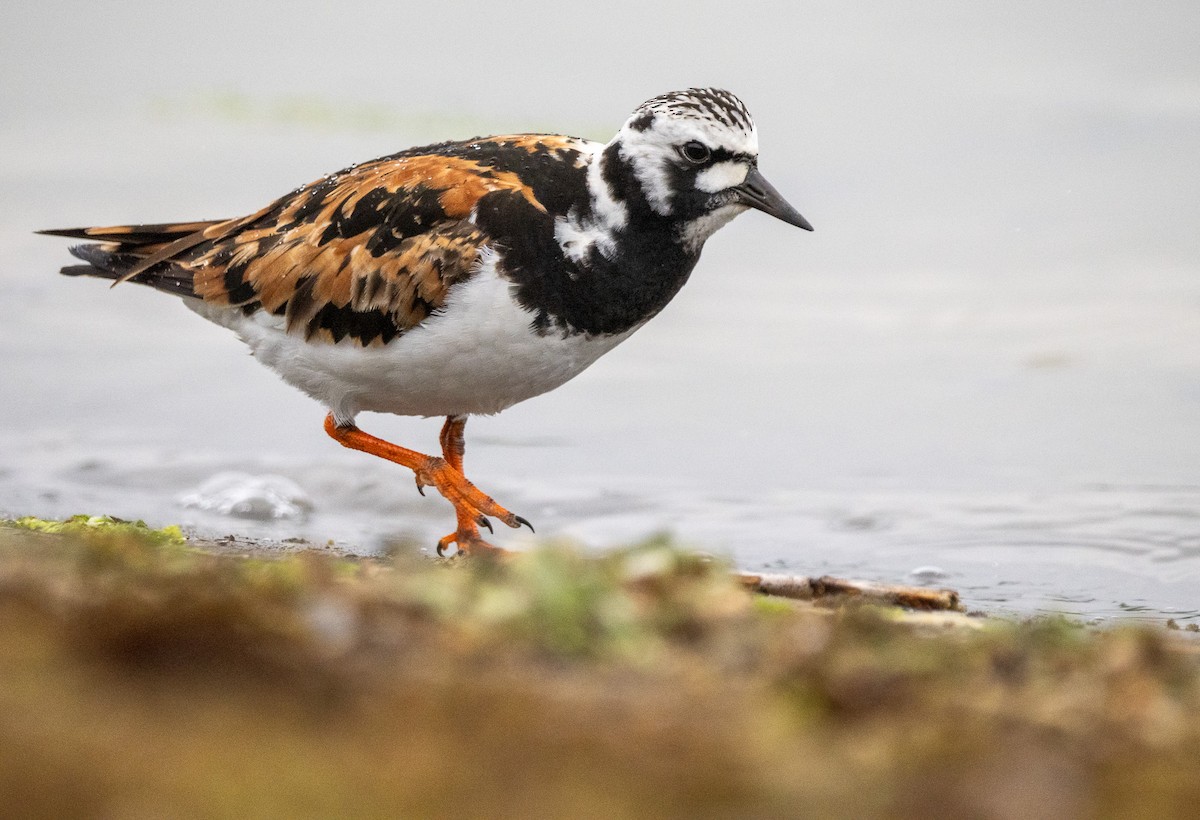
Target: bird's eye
{"points": [[694, 151]]}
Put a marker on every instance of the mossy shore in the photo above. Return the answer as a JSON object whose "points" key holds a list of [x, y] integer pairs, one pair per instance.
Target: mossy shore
{"points": [[146, 677]]}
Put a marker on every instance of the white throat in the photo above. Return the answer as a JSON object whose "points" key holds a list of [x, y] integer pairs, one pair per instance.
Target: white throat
{"points": [[695, 233]]}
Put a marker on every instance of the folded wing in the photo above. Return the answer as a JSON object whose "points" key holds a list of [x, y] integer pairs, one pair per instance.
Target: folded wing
{"points": [[364, 254]]}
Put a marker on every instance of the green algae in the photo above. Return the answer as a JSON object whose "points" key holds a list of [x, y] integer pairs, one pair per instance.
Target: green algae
{"points": [[92, 526]]}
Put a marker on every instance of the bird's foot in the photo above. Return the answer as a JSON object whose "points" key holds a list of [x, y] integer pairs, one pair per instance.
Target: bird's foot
{"points": [[469, 542], [473, 505]]}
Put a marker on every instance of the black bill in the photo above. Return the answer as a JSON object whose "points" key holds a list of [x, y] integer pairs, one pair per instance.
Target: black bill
{"points": [[758, 193]]}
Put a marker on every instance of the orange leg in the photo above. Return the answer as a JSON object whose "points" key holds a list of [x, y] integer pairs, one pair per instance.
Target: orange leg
{"points": [[454, 443], [466, 537], [471, 506]]}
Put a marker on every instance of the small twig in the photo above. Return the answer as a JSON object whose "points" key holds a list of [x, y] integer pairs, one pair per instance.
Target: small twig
{"points": [[810, 589]]}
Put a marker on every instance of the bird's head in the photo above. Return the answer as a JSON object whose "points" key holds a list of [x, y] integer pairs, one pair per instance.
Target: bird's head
{"points": [[693, 156]]}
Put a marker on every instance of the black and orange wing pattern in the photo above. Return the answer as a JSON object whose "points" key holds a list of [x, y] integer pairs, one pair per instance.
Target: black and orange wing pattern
{"points": [[366, 253]]}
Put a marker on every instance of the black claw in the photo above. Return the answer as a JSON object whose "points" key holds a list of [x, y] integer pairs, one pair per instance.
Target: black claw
{"points": [[441, 551], [421, 490], [483, 522], [521, 521]]}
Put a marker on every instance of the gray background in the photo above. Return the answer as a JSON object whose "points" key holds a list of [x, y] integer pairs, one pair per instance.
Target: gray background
{"points": [[985, 359]]}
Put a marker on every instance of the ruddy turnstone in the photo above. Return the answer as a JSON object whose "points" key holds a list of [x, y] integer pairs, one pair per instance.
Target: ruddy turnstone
{"points": [[460, 278]]}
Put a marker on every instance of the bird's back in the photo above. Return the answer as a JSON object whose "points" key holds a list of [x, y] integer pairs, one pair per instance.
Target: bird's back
{"points": [[366, 253]]}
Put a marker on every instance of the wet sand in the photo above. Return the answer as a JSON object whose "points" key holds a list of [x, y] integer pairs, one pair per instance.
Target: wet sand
{"points": [[147, 678]]}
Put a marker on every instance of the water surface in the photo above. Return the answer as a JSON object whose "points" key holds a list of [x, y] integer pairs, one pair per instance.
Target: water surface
{"points": [[985, 364]]}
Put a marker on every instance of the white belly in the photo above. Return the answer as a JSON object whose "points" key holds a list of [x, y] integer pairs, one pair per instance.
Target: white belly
{"points": [[477, 356]]}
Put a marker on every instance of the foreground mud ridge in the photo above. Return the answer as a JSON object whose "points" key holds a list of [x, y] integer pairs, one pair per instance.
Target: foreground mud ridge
{"points": [[146, 677]]}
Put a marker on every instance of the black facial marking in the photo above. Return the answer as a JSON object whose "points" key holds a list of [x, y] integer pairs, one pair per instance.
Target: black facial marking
{"points": [[642, 121], [723, 154], [619, 175]]}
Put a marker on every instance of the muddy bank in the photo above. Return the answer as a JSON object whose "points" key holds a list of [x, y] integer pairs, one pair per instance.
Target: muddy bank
{"points": [[148, 676]]}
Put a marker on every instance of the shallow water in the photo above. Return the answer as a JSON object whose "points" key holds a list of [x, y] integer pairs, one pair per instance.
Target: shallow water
{"points": [[984, 366]]}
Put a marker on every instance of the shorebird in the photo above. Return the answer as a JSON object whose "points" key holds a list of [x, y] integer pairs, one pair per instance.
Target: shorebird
{"points": [[460, 278]]}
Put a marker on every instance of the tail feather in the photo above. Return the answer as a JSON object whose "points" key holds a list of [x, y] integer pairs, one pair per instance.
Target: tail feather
{"points": [[148, 254], [105, 263], [105, 259], [156, 234], [85, 270]]}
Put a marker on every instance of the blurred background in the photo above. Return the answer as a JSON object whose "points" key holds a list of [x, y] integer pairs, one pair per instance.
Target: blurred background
{"points": [[982, 370]]}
